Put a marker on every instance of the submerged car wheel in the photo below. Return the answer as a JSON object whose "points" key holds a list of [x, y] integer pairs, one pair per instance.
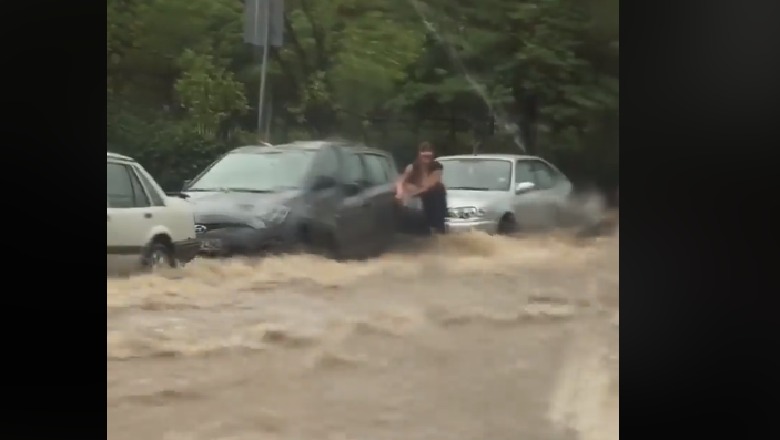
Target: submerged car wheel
{"points": [[323, 243], [507, 224], [332, 248], [160, 256]]}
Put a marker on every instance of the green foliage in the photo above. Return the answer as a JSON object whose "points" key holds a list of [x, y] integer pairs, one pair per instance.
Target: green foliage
{"points": [[172, 150], [338, 60], [208, 92], [182, 85]]}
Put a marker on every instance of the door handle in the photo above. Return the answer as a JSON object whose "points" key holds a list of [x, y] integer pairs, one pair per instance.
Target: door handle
{"points": [[147, 215]]}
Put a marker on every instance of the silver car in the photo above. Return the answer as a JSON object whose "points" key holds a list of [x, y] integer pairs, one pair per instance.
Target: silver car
{"points": [[502, 193]]}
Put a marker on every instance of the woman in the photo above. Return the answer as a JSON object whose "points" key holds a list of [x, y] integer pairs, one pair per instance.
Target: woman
{"points": [[423, 178]]}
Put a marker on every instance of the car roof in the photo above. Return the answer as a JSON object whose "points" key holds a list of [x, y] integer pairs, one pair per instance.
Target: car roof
{"points": [[306, 146], [110, 155], [489, 156]]}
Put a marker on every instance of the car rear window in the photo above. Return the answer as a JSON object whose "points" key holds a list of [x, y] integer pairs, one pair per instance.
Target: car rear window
{"points": [[377, 167]]}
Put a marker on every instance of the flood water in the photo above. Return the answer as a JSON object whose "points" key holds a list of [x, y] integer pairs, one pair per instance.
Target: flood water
{"points": [[468, 337]]}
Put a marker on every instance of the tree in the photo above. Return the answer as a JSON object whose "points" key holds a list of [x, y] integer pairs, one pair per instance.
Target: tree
{"points": [[390, 72], [344, 58], [518, 59], [208, 92]]}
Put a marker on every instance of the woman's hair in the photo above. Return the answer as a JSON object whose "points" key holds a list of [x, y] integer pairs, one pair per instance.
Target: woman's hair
{"points": [[425, 147], [416, 174]]}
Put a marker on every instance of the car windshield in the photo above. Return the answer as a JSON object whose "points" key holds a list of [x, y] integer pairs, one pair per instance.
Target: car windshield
{"points": [[256, 172], [477, 174]]}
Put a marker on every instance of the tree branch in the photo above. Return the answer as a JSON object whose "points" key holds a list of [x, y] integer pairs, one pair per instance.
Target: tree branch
{"points": [[319, 37], [296, 45], [286, 70]]}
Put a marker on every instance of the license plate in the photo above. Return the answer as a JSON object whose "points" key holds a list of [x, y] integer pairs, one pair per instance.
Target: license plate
{"points": [[212, 244]]}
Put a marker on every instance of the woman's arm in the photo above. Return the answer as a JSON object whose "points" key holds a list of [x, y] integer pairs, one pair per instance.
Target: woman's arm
{"points": [[401, 181], [433, 179]]}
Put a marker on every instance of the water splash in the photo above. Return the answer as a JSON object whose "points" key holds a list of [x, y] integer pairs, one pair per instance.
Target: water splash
{"points": [[501, 120]]}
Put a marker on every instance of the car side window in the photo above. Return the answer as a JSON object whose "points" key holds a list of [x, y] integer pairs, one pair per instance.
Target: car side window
{"points": [[123, 188], [118, 186], [545, 178], [390, 169], [353, 168], [524, 172], [140, 198], [327, 164], [151, 189], [376, 168]]}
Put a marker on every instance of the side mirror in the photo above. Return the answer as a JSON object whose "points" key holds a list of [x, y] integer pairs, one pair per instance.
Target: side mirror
{"points": [[523, 187], [185, 185], [323, 182]]}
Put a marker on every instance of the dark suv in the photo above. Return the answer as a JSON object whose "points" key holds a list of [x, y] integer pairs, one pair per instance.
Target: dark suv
{"points": [[336, 197]]}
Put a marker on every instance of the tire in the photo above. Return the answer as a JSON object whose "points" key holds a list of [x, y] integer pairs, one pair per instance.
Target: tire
{"points": [[561, 217], [332, 248], [507, 225], [322, 244], [388, 238], [159, 256]]}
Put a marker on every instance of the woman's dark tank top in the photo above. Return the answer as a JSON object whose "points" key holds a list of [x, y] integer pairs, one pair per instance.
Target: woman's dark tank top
{"points": [[416, 175]]}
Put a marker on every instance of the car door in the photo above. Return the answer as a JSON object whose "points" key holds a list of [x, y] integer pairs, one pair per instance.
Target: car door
{"points": [[354, 216], [126, 227], [178, 222], [548, 192], [529, 204], [323, 200], [380, 194]]}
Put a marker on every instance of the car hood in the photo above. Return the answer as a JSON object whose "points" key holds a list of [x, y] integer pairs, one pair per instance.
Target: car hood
{"points": [[478, 199], [214, 207]]}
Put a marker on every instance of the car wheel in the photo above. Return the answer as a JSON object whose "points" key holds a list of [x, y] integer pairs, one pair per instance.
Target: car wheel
{"points": [[323, 243], [160, 256], [507, 224], [560, 217], [384, 237], [333, 248]]}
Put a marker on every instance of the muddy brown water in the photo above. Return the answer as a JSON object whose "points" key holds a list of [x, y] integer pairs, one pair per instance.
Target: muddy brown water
{"points": [[469, 337]]}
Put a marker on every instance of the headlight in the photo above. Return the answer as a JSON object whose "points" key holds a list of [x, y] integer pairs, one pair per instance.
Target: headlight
{"points": [[272, 217], [465, 212]]}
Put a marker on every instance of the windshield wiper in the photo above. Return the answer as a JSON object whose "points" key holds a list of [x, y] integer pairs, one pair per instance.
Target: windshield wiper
{"points": [[470, 188], [205, 189], [282, 188], [250, 190]]}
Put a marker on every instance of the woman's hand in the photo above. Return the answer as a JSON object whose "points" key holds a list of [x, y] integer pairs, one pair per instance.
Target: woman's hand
{"points": [[413, 190]]}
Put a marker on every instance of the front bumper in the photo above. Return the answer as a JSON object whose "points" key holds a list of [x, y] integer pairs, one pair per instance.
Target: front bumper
{"points": [[185, 250], [243, 241], [462, 225]]}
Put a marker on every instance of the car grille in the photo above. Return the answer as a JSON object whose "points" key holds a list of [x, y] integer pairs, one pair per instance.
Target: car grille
{"points": [[203, 228], [454, 213]]}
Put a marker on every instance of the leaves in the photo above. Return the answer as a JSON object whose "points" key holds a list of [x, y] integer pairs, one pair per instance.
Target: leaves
{"points": [[347, 65], [208, 92]]}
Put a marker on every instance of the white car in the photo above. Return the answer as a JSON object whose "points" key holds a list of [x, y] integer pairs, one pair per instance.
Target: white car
{"points": [[145, 227], [503, 193]]}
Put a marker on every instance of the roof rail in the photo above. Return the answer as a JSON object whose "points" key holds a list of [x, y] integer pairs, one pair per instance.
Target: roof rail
{"points": [[119, 156]]}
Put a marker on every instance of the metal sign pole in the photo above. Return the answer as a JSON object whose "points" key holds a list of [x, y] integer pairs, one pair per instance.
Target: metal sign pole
{"points": [[264, 67], [259, 33], [269, 116]]}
